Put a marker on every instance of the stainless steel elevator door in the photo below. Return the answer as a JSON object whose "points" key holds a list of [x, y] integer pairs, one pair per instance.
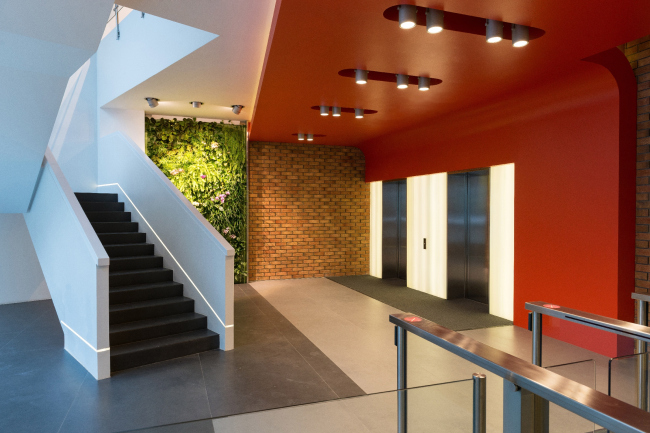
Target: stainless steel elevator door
{"points": [[394, 229], [468, 235]]}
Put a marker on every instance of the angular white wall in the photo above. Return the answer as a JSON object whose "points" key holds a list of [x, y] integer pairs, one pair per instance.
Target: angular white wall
{"points": [[21, 278], [43, 43], [73, 141]]}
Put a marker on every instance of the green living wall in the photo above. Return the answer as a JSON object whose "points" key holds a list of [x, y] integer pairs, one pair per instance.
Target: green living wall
{"points": [[207, 163]]}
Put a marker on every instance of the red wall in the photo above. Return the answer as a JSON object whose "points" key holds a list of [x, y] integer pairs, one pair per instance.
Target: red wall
{"points": [[574, 186]]}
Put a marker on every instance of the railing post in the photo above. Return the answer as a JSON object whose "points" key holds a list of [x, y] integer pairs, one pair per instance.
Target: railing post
{"points": [[480, 425], [641, 348], [402, 406], [537, 339], [540, 406]]}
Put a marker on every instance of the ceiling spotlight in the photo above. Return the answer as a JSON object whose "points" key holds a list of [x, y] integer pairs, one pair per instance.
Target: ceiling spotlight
{"points": [[310, 137], [402, 81], [237, 108], [324, 110], [153, 102], [358, 113], [196, 104], [407, 16], [519, 35], [493, 31], [424, 83], [336, 111], [361, 76], [301, 136], [435, 20]]}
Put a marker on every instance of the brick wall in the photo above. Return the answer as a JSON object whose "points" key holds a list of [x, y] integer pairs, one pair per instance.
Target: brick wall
{"points": [[309, 212], [638, 53]]}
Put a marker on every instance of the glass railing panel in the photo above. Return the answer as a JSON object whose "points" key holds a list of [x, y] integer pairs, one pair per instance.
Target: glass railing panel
{"points": [[444, 407], [623, 380], [562, 420]]}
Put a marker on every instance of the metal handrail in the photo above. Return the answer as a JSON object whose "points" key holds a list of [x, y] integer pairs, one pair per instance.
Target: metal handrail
{"points": [[603, 323], [608, 412]]}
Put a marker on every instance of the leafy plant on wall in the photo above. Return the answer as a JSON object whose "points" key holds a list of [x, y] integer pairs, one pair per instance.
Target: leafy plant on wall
{"points": [[207, 163]]}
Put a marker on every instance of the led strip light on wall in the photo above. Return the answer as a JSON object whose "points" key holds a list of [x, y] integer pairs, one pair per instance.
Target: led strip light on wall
{"points": [[170, 253], [82, 339]]}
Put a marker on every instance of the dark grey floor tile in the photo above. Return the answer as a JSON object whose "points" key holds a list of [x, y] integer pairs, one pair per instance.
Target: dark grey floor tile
{"points": [[255, 330], [204, 426], [157, 394], [43, 336], [6, 338], [37, 388], [244, 307], [336, 379], [16, 317], [261, 376]]}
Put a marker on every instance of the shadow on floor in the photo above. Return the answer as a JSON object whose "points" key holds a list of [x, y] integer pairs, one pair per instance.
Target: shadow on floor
{"points": [[455, 314]]}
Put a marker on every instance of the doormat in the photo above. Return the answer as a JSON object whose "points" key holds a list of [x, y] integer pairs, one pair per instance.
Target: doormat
{"points": [[455, 314]]}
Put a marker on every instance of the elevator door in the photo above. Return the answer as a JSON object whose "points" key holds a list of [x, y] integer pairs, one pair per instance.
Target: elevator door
{"points": [[394, 229], [468, 235]]}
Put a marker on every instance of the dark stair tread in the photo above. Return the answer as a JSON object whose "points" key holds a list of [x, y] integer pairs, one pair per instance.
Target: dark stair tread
{"points": [[144, 286], [123, 258], [125, 245], [136, 271], [120, 234], [106, 227], [95, 197], [154, 343], [149, 303], [109, 216], [147, 323], [102, 206]]}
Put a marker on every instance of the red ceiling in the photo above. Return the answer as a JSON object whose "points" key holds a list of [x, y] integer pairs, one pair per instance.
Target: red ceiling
{"points": [[312, 40]]}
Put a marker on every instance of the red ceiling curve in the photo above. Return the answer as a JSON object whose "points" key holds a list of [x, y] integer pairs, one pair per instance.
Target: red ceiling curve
{"points": [[311, 41]]}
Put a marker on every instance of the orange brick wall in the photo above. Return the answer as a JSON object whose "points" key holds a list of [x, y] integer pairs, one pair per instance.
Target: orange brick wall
{"points": [[638, 53], [309, 211]]}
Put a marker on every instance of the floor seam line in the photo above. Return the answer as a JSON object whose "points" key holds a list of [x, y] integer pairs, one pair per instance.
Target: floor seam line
{"points": [[205, 386], [73, 401]]}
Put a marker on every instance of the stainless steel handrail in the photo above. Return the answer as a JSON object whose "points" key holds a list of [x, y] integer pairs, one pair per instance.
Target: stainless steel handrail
{"points": [[588, 403], [608, 324]]}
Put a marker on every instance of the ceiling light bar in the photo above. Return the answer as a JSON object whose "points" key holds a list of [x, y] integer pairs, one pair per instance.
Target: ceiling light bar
{"points": [[493, 31], [153, 102], [361, 76], [408, 15], [358, 113], [324, 110], [520, 35], [402, 81], [336, 111], [435, 21], [424, 83]]}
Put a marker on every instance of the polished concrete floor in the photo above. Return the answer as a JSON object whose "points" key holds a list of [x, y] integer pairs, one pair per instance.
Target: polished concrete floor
{"points": [[310, 346]]}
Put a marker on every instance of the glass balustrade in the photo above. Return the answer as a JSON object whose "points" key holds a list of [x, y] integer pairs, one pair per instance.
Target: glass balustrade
{"points": [[445, 407]]}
